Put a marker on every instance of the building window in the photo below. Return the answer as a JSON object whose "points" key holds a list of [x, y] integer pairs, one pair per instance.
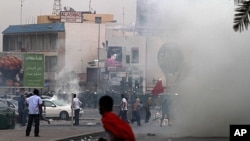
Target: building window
{"points": [[50, 63], [30, 42], [40, 44], [135, 55], [127, 59], [53, 39]]}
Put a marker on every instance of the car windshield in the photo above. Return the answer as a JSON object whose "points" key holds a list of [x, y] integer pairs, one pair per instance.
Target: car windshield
{"points": [[13, 101], [2, 105], [58, 102]]}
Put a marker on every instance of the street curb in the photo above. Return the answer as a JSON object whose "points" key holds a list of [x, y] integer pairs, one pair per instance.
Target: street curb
{"points": [[86, 135]]}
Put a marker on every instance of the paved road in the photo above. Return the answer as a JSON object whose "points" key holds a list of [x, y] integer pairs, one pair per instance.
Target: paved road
{"points": [[89, 124]]}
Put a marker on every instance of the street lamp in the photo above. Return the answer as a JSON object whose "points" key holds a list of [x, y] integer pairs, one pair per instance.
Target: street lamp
{"points": [[98, 20]]}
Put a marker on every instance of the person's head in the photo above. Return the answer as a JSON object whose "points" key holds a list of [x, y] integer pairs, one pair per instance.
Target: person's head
{"points": [[29, 95], [74, 95], [122, 95], [137, 99], [105, 104], [35, 92]]}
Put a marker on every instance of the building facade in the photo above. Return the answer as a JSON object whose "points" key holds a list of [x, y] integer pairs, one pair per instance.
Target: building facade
{"points": [[98, 55]]}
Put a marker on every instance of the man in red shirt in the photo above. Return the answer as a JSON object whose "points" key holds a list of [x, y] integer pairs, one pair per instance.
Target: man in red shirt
{"points": [[117, 129]]}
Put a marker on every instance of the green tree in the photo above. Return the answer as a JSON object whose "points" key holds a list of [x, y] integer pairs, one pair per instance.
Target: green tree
{"points": [[241, 16]]}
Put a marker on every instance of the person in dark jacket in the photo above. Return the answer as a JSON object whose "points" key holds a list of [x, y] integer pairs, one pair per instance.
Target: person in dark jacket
{"points": [[21, 110], [147, 109]]}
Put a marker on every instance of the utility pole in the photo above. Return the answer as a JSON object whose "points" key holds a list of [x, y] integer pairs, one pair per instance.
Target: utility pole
{"points": [[123, 15], [90, 9], [21, 12], [98, 20]]}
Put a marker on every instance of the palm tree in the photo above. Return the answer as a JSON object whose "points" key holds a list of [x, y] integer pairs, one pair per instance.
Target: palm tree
{"points": [[241, 17]]}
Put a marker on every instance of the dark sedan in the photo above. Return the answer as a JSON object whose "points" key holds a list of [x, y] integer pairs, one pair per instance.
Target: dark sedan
{"points": [[7, 117]]}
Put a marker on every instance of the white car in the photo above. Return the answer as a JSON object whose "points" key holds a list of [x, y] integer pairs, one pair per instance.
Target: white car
{"points": [[57, 109]]}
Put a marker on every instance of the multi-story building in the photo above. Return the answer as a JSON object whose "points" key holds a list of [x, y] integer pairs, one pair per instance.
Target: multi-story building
{"points": [[81, 44], [68, 46]]}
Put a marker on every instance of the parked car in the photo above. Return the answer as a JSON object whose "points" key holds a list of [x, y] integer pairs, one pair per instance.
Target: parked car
{"points": [[9, 96], [7, 117], [57, 109], [13, 104], [45, 97]]}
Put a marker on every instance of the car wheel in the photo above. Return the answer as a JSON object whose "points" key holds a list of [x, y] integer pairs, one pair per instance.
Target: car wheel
{"points": [[13, 124], [64, 115]]}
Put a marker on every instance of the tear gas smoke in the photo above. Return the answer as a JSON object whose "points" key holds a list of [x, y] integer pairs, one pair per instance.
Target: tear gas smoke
{"points": [[214, 88], [67, 83]]}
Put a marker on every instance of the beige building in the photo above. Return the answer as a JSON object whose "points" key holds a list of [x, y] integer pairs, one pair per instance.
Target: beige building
{"points": [[80, 41], [142, 64], [67, 46]]}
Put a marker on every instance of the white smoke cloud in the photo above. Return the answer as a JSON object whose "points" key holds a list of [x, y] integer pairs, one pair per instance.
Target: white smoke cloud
{"points": [[214, 91]]}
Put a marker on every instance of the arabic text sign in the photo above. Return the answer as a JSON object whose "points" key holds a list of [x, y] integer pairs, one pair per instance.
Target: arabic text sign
{"points": [[33, 70]]}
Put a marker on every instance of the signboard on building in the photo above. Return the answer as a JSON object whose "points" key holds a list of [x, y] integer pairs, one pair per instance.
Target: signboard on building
{"points": [[71, 17], [33, 70], [21, 70], [10, 70], [114, 57]]}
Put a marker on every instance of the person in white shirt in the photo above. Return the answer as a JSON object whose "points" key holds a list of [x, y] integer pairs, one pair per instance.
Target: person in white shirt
{"points": [[124, 108], [35, 105], [76, 106]]}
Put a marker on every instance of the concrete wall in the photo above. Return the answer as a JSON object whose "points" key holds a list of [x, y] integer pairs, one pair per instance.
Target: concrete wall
{"points": [[81, 45]]}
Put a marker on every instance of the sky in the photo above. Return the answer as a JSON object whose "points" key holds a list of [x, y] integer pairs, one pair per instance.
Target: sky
{"points": [[10, 10]]}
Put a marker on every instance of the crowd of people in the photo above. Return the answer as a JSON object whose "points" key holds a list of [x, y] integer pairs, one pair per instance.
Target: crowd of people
{"points": [[117, 125], [31, 109]]}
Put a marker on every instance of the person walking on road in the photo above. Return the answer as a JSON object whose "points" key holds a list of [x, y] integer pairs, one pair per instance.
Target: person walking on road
{"points": [[136, 112], [147, 109], [76, 106], [43, 113], [35, 104], [123, 108], [116, 128], [164, 111]]}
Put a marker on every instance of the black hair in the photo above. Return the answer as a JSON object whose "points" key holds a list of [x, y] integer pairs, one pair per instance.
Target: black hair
{"points": [[106, 102], [122, 95], [36, 92]]}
